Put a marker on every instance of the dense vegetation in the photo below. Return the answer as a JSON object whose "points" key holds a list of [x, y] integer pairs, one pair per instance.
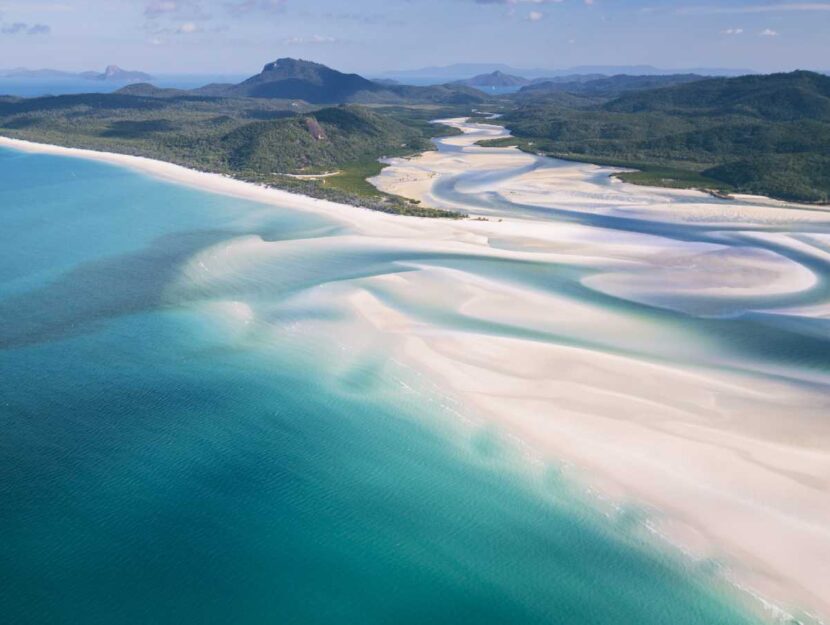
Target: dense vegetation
{"points": [[312, 82], [606, 85], [494, 79], [753, 134], [260, 140]]}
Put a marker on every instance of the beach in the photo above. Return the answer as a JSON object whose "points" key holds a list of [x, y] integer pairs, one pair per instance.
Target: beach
{"points": [[648, 344]]}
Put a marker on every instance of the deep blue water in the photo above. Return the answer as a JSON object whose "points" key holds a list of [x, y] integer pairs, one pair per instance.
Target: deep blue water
{"points": [[37, 87], [160, 463]]}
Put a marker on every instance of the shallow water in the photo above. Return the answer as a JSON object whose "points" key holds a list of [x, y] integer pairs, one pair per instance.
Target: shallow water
{"points": [[39, 87], [642, 332], [192, 433], [753, 330]]}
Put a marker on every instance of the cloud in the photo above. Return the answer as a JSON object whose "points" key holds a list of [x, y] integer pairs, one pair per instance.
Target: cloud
{"points": [[768, 32], [161, 7], [242, 7], [179, 10], [188, 28], [535, 16], [14, 29], [314, 39], [757, 8], [39, 29], [21, 28], [372, 19], [732, 31]]}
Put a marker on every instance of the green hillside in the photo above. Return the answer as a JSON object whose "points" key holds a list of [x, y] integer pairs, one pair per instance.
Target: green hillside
{"points": [[260, 140], [606, 86], [755, 134], [775, 97], [325, 140]]}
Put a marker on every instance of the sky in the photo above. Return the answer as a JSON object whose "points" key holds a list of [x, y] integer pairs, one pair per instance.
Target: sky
{"points": [[374, 36]]}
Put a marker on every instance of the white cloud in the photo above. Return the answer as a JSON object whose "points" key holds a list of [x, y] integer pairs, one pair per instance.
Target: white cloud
{"points": [[154, 9], [768, 32], [21, 28], [535, 16], [309, 40], [188, 28], [190, 10], [732, 31]]}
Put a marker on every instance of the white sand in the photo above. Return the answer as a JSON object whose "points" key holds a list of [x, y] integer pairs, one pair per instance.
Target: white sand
{"points": [[214, 183], [741, 461], [737, 460], [575, 186]]}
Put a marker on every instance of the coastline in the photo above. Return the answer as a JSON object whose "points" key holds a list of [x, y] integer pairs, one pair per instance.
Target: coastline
{"points": [[205, 181], [620, 171], [730, 473], [518, 385]]}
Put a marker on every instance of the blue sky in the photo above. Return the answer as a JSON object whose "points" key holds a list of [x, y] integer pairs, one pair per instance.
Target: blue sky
{"points": [[239, 36]]}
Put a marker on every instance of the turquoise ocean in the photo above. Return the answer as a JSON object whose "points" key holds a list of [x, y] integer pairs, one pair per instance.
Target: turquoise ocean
{"points": [[160, 466]]}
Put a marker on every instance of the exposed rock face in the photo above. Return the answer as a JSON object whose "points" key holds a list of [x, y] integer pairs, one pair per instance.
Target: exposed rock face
{"points": [[315, 129], [113, 73]]}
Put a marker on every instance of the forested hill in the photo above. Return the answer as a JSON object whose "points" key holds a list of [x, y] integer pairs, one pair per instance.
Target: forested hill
{"points": [[756, 134], [259, 140], [295, 79], [776, 97], [302, 80], [323, 140], [494, 79], [609, 86], [271, 128]]}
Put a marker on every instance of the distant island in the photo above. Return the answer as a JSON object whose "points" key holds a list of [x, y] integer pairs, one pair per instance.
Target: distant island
{"points": [[112, 73], [462, 71], [296, 119], [494, 79]]}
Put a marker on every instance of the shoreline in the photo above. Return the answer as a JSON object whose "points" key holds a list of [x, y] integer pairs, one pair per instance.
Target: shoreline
{"points": [[517, 385], [203, 181], [418, 189], [774, 541], [619, 170]]}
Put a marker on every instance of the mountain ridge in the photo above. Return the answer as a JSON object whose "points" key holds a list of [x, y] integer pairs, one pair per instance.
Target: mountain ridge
{"points": [[298, 79], [607, 86], [760, 134], [462, 71], [494, 79]]}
